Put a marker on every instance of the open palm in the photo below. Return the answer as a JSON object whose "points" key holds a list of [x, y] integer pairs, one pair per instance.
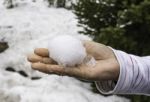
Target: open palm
{"points": [[106, 68]]}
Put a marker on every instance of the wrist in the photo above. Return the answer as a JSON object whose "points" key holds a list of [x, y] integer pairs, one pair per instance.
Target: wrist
{"points": [[116, 70]]}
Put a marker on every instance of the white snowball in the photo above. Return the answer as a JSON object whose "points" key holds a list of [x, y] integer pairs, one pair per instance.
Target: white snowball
{"points": [[66, 50]]}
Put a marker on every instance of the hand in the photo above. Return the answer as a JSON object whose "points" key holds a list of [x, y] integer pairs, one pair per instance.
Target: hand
{"points": [[106, 68]]}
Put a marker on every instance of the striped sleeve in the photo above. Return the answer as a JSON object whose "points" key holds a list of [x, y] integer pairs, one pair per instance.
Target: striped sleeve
{"points": [[134, 76]]}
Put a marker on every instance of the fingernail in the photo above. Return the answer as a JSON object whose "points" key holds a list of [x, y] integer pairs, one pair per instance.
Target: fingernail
{"points": [[29, 57]]}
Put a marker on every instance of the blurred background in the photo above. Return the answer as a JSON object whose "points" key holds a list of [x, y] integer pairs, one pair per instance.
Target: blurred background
{"points": [[28, 24]]}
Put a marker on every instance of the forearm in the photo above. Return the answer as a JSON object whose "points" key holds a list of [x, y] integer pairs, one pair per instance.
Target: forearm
{"points": [[134, 76]]}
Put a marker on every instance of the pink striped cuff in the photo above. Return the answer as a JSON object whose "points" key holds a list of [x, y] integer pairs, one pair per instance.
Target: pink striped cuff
{"points": [[134, 76]]}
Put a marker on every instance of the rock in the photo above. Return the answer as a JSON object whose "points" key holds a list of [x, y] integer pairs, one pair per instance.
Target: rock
{"points": [[35, 78], [10, 69], [3, 46], [22, 73]]}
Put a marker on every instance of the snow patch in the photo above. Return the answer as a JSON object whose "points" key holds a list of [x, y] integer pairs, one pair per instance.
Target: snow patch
{"points": [[25, 28]]}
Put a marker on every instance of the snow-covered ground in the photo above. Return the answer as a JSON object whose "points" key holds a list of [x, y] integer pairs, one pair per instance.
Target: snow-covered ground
{"points": [[29, 26]]}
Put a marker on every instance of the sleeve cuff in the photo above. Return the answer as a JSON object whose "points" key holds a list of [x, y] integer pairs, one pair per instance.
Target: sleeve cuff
{"points": [[134, 77], [112, 87]]}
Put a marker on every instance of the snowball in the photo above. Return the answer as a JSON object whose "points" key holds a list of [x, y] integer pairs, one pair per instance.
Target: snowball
{"points": [[66, 50]]}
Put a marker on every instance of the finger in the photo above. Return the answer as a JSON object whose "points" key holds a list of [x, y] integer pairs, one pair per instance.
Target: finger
{"points": [[42, 52], [39, 66], [98, 50], [50, 69], [34, 58], [91, 48], [56, 69], [48, 61]]}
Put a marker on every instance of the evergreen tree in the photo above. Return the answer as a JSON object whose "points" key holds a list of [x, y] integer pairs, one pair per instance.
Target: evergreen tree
{"points": [[122, 24]]}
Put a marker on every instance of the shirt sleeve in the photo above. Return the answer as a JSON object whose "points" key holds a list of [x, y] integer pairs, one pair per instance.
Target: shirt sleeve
{"points": [[134, 77]]}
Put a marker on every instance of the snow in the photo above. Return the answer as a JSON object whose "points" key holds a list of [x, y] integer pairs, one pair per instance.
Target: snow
{"points": [[29, 26], [67, 50]]}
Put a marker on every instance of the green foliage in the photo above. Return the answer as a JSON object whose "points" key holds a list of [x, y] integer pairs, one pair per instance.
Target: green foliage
{"points": [[122, 24], [140, 98]]}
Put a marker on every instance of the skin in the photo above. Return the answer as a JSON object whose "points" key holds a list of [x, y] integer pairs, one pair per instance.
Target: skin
{"points": [[106, 68]]}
